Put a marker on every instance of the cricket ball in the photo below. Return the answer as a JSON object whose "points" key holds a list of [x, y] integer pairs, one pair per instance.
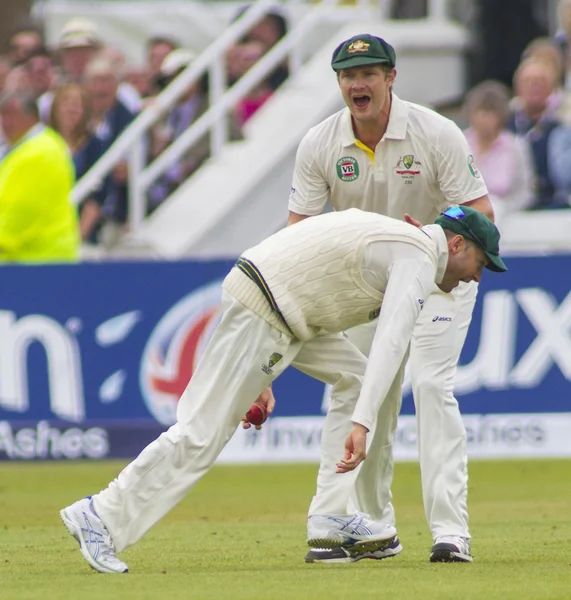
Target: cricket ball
{"points": [[257, 414]]}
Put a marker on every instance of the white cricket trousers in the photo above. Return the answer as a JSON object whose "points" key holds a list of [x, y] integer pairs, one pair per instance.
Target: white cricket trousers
{"points": [[230, 376], [434, 352]]}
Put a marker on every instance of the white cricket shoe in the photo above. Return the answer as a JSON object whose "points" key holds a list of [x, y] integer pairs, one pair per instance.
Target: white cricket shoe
{"points": [[94, 539], [358, 531], [451, 548], [348, 555]]}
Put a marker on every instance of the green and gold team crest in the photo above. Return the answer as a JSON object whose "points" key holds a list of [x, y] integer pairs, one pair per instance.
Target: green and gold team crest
{"points": [[274, 358], [408, 160], [347, 168]]}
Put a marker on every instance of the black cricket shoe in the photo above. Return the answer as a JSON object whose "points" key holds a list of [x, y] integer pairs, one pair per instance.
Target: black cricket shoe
{"points": [[451, 548]]}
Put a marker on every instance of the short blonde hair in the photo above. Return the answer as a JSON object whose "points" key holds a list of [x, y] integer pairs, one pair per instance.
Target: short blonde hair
{"points": [[547, 50], [547, 66]]}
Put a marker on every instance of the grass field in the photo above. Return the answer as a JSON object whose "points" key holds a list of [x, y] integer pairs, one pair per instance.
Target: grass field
{"points": [[241, 534]]}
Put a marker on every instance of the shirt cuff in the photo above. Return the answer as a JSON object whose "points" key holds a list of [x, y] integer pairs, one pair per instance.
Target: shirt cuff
{"points": [[362, 420]]}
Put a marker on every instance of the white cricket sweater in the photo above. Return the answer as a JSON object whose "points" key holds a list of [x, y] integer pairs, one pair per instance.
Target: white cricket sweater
{"points": [[314, 271]]}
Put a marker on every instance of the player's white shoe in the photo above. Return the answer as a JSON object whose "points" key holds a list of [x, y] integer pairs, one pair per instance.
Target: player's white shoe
{"points": [[358, 531], [93, 537], [451, 548], [348, 555]]}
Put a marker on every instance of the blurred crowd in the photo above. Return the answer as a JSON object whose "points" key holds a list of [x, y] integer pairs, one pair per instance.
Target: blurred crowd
{"points": [[521, 138], [86, 91]]}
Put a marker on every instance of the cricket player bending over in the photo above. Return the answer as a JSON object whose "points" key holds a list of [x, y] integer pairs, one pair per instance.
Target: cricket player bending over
{"points": [[288, 299]]}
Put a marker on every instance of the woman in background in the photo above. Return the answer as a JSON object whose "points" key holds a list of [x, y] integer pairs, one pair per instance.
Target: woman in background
{"points": [[503, 159], [70, 115]]}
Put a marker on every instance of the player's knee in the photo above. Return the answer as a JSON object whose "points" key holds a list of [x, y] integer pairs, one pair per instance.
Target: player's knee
{"points": [[427, 384], [346, 389]]}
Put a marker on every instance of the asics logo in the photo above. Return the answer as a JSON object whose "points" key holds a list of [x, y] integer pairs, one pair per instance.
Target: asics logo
{"points": [[356, 526], [434, 319]]}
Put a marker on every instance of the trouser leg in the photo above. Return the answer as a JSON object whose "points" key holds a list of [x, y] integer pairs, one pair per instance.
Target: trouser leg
{"points": [[227, 380], [435, 350], [372, 493], [373, 486], [333, 360]]}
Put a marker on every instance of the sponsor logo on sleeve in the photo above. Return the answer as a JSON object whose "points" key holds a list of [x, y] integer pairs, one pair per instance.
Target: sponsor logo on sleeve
{"points": [[473, 168]]}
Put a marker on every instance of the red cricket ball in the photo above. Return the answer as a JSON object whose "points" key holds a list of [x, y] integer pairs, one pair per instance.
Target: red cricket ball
{"points": [[257, 414]]}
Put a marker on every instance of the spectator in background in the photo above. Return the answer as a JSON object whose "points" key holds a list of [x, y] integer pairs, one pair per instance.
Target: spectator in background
{"points": [[79, 45], [109, 118], [191, 106], [70, 116], [269, 31], [38, 222], [17, 79], [549, 140], [239, 59], [23, 40], [158, 48], [503, 159], [128, 95], [263, 36], [40, 72], [548, 51], [138, 78]]}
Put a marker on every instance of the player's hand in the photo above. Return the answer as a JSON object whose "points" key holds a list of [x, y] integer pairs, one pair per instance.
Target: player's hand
{"points": [[267, 399], [412, 221], [355, 449]]}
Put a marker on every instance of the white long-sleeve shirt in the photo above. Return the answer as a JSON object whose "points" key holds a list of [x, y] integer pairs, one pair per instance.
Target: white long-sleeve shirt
{"points": [[342, 269], [407, 276]]}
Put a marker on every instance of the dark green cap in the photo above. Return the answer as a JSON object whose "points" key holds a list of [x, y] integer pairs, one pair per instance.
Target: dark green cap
{"points": [[474, 225], [364, 49]]}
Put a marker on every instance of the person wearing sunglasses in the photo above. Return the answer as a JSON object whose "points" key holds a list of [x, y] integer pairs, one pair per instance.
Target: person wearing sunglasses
{"points": [[385, 155], [287, 301]]}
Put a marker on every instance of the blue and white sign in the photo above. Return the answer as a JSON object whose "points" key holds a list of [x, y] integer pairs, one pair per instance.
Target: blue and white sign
{"points": [[94, 357]]}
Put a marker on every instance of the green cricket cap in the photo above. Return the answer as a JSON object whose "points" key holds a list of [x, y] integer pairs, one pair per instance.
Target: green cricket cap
{"points": [[475, 226], [364, 49]]}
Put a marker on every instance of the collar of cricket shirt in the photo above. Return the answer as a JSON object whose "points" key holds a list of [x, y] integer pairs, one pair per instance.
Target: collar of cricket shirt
{"points": [[396, 127], [436, 233]]}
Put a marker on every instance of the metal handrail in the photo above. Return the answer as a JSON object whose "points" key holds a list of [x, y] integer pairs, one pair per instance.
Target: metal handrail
{"points": [[167, 98], [216, 112], [130, 142]]}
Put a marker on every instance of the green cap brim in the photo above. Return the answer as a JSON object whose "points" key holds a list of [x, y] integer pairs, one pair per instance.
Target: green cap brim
{"points": [[496, 264], [359, 61]]}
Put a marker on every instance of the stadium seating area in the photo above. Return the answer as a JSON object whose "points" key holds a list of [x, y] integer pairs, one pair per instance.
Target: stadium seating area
{"points": [[91, 89]]}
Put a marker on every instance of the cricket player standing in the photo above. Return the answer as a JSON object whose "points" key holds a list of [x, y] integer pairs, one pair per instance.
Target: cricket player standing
{"points": [[388, 156], [286, 302]]}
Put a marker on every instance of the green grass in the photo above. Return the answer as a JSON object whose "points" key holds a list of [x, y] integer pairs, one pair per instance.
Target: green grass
{"points": [[241, 534]]}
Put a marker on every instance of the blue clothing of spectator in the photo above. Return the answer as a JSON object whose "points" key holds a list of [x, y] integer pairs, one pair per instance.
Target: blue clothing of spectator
{"points": [[550, 144], [83, 159], [116, 120]]}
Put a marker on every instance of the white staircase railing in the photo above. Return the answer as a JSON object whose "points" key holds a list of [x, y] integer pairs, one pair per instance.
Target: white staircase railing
{"points": [[222, 100]]}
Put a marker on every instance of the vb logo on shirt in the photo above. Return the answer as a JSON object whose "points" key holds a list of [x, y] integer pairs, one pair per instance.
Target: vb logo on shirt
{"points": [[347, 168]]}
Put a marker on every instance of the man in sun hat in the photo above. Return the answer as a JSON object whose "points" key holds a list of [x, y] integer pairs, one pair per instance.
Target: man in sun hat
{"points": [[385, 155]]}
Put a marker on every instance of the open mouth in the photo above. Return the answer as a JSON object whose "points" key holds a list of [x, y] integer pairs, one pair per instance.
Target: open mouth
{"points": [[362, 101]]}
